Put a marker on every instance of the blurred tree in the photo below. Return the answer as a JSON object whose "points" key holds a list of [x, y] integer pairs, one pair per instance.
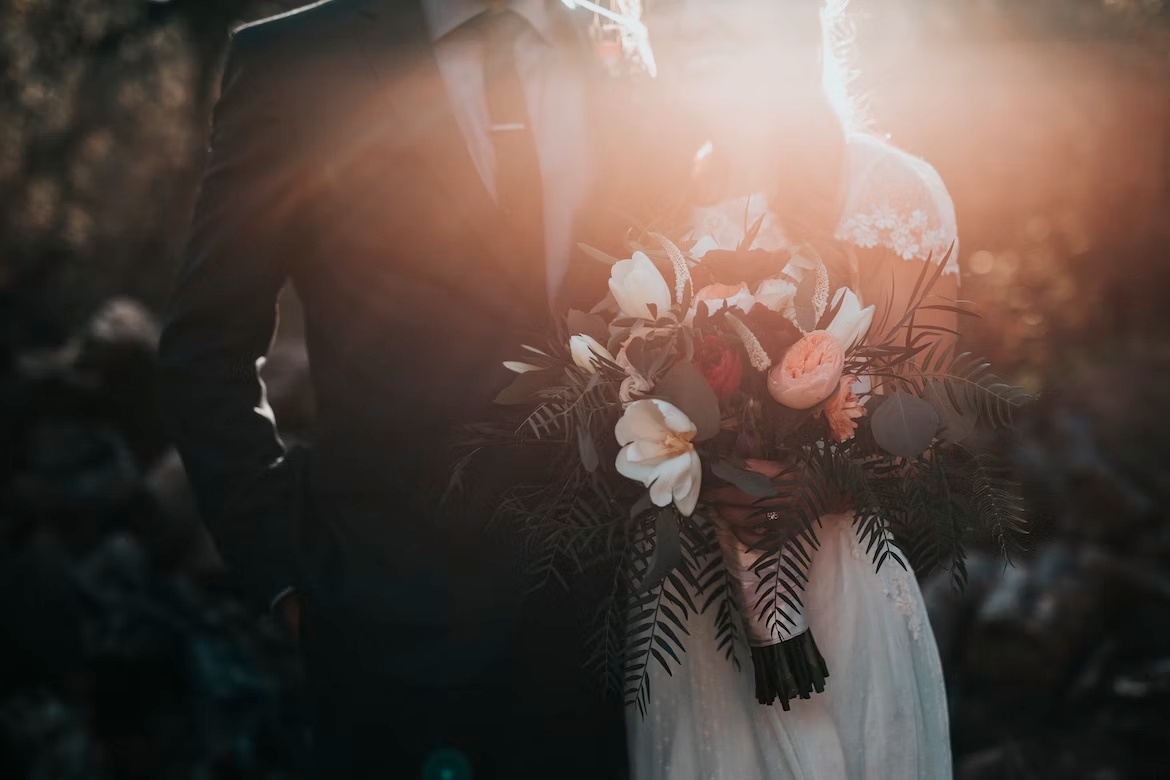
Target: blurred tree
{"points": [[104, 106], [1050, 123]]}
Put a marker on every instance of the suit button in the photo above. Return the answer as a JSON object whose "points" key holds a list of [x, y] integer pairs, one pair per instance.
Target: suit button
{"points": [[447, 764]]}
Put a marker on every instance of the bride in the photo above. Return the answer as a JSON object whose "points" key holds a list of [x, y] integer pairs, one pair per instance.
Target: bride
{"points": [[748, 77]]}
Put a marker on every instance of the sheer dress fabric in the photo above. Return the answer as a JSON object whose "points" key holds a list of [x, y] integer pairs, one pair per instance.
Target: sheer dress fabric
{"points": [[883, 714]]}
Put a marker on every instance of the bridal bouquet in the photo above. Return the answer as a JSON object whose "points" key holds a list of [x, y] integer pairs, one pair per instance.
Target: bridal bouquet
{"points": [[700, 359]]}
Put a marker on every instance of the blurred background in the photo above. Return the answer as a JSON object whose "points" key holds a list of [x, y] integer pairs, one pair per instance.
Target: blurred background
{"points": [[122, 656]]}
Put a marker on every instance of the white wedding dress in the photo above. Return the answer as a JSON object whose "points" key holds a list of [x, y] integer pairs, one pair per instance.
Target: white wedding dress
{"points": [[883, 713]]}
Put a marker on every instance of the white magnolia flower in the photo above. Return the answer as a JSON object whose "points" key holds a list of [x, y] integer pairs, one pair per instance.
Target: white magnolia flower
{"points": [[637, 284], [658, 451], [703, 246], [520, 367], [852, 322], [776, 294], [634, 386], [586, 350], [720, 296]]}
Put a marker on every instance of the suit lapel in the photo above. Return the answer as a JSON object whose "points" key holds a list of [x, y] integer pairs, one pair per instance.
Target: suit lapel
{"points": [[400, 58], [422, 125], [402, 61], [585, 278], [612, 207]]}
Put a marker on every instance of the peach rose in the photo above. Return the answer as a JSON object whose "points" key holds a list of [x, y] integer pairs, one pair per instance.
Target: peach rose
{"points": [[842, 410], [809, 373]]}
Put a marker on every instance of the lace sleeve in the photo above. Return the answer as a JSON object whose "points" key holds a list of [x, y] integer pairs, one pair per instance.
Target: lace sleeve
{"points": [[897, 201]]}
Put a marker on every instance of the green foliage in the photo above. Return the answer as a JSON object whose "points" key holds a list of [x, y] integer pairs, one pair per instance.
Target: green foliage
{"points": [[995, 501], [915, 496], [686, 388], [714, 588], [934, 519], [656, 617], [968, 384], [923, 361], [947, 494], [904, 425]]}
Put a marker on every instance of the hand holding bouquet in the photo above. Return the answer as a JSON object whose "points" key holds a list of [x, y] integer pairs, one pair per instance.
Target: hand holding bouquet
{"points": [[740, 382]]}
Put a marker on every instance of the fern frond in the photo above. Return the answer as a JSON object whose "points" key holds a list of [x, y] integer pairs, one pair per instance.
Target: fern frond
{"points": [[727, 626], [996, 502], [656, 618], [653, 634], [934, 519], [967, 381], [782, 567]]}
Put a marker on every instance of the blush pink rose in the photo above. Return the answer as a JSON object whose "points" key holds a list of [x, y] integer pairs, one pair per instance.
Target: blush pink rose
{"points": [[842, 410], [809, 372]]}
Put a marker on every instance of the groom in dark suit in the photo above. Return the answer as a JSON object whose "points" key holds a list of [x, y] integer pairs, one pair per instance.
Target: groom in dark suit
{"points": [[421, 173]]}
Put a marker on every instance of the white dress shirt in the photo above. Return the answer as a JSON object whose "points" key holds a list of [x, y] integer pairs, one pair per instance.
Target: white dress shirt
{"points": [[554, 88]]}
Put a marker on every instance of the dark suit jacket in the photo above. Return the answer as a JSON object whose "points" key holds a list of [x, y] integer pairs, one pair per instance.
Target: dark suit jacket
{"points": [[336, 163]]}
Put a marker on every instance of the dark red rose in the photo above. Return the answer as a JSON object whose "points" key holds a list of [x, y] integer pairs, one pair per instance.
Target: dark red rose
{"points": [[775, 332], [720, 364]]}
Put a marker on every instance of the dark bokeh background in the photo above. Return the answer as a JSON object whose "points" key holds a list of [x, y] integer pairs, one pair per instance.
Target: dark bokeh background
{"points": [[120, 654]]}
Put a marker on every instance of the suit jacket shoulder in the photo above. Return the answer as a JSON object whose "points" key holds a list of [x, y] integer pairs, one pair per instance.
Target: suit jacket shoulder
{"points": [[305, 40], [298, 27]]}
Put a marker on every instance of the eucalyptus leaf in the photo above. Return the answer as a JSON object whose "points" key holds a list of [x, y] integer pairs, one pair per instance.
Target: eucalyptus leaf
{"points": [[751, 231], [526, 387], [686, 344], [904, 425], [806, 312], [617, 337], [750, 482], [597, 254], [685, 387], [638, 355], [588, 449], [607, 304], [667, 552], [661, 352], [592, 325], [836, 301], [956, 425], [643, 504]]}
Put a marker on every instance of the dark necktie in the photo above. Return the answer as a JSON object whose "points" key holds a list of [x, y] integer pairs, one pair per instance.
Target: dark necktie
{"points": [[517, 168]]}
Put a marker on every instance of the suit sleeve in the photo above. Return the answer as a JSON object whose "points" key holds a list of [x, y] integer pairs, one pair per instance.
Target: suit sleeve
{"points": [[219, 325]]}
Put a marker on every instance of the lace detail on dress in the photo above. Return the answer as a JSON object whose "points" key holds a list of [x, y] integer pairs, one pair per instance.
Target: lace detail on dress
{"points": [[725, 223], [897, 201], [896, 584], [898, 588], [893, 200], [910, 237]]}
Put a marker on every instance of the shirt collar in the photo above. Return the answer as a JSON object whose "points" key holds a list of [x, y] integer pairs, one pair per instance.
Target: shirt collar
{"points": [[445, 16]]}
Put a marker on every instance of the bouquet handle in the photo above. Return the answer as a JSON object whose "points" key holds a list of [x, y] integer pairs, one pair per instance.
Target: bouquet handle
{"points": [[785, 657], [789, 669]]}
